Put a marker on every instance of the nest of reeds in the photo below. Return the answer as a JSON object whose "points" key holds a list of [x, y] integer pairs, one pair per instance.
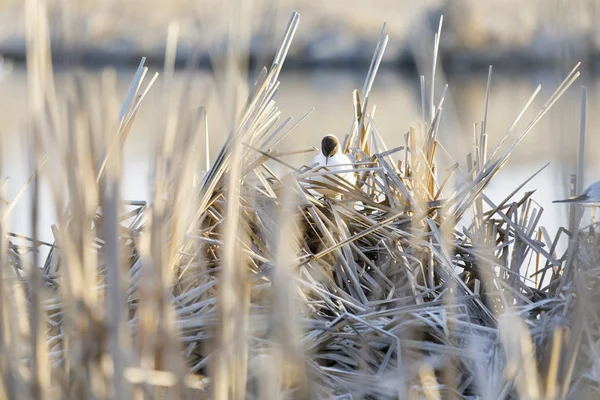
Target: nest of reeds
{"points": [[239, 283]]}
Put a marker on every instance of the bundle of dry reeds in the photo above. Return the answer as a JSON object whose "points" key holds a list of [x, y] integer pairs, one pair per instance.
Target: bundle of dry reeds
{"points": [[239, 283]]}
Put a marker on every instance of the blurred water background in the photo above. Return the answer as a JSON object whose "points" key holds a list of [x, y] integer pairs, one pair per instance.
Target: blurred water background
{"points": [[529, 43]]}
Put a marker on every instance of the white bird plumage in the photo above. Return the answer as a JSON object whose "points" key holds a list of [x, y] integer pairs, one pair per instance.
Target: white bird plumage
{"points": [[589, 197], [339, 162], [333, 159]]}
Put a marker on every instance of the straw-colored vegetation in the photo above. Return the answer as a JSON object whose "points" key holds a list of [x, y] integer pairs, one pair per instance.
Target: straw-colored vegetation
{"points": [[239, 283]]}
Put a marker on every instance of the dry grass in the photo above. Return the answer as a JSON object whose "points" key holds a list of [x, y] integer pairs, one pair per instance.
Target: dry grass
{"points": [[412, 285]]}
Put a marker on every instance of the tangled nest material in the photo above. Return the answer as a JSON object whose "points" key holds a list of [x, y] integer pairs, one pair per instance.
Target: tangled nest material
{"points": [[252, 285]]}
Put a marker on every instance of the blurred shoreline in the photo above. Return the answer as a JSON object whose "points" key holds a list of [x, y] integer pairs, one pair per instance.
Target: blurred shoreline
{"points": [[513, 60], [508, 34]]}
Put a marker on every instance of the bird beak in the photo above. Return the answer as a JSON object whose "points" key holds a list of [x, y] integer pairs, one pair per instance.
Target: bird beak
{"points": [[326, 159]]}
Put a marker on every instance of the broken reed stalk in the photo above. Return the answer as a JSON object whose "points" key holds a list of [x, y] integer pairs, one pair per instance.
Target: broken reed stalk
{"points": [[243, 284]]}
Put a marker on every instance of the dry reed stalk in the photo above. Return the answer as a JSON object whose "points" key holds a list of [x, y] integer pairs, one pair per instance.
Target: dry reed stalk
{"points": [[247, 285]]}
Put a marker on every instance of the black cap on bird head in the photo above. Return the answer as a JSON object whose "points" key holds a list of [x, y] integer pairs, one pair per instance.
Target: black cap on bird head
{"points": [[329, 146]]}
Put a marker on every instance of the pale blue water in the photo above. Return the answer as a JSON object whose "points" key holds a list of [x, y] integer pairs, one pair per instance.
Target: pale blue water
{"points": [[397, 98]]}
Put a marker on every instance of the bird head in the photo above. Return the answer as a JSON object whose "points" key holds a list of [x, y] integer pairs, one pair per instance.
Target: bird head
{"points": [[329, 146]]}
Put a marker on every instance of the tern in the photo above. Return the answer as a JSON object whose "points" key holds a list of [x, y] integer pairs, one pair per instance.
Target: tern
{"points": [[331, 158], [590, 197]]}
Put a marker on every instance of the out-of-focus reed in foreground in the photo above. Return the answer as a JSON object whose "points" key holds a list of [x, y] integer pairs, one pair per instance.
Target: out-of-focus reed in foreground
{"points": [[238, 282]]}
